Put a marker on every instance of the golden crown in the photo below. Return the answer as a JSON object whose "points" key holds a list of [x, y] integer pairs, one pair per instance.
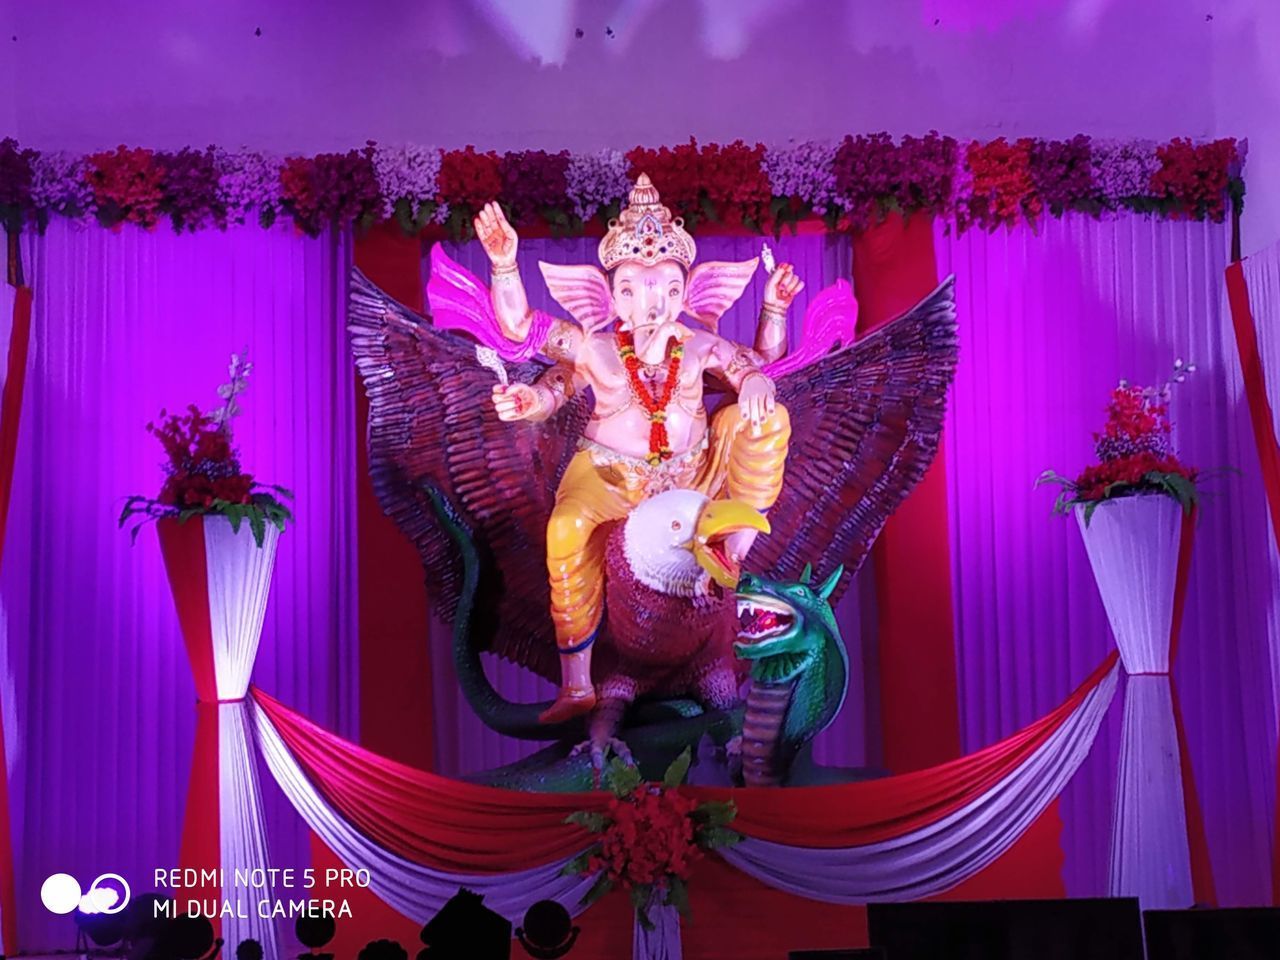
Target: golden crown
{"points": [[646, 232]]}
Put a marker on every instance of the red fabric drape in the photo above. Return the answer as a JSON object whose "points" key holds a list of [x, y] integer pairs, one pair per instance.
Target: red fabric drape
{"points": [[473, 829], [10, 418], [1264, 434], [395, 669], [1197, 840], [893, 268], [182, 546]]}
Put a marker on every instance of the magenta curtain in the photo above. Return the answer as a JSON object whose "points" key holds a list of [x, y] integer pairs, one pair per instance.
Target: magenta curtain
{"points": [[463, 744], [1050, 320], [101, 720]]}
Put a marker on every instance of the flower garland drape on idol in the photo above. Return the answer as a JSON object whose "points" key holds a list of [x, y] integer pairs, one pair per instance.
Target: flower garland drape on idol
{"points": [[218, 531], [1136, 510]]}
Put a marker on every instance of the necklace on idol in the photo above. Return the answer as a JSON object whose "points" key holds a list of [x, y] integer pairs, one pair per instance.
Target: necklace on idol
{"points": [[655, 407]]}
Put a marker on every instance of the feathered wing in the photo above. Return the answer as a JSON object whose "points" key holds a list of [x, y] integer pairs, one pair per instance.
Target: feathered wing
{"points": [[433, 430], [865, 425]]}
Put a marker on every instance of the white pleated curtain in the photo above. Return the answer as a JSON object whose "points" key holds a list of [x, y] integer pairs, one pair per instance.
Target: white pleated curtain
{"points": [[1051, 318], [125, 323], [1262, 277]]}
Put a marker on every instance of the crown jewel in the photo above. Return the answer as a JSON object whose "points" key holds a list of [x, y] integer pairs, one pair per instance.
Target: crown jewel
{"points": [[646, 232]]}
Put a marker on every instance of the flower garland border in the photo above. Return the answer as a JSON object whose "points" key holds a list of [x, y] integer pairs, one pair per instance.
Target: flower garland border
{"points": [[849, 184]]}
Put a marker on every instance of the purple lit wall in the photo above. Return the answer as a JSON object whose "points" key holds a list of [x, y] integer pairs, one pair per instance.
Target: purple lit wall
{"points": [[326, 74]]}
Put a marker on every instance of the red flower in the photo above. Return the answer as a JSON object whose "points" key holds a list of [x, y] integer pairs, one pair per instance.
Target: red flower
{"points": [[1003, 190], [731, 178], [127, 185], [468, 178], [1193, 177]]}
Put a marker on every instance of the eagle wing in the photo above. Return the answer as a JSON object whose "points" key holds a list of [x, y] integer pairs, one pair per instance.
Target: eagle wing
{"points": [[434, 438], [865, 425]]}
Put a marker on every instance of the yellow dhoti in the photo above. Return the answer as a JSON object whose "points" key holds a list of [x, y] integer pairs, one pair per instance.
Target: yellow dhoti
{"points": [[599, 487]]}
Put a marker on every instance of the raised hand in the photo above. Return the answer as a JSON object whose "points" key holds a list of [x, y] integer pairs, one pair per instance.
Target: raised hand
{"points": [[782, 286], [497, 236], [517, 401]]}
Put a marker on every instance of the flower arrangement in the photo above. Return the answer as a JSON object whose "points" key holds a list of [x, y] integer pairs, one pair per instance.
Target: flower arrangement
{"points": [[203, 473], [1134, 452], [650, 837], [852, 184]]}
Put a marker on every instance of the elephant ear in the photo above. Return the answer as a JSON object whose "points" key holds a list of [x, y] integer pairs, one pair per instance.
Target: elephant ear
{"points": [[714, 287], [581, 289]]}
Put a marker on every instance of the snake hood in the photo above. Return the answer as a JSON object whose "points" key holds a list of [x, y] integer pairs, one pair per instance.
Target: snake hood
{"points": [[799, 669]]}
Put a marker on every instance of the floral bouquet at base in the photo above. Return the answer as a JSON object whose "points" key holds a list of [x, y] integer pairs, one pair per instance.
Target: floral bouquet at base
{"points": [[1134, 453], [203, 473], [650, 837]]}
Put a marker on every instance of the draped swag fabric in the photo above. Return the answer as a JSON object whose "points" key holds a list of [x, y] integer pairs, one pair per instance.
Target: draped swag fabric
{"points": [[463, 743], [1050, 320], [100, 702], [910, 835]]}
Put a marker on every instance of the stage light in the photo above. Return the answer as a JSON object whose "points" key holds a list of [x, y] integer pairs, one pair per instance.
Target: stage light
{"points": [[548, 932], [100, 900]]}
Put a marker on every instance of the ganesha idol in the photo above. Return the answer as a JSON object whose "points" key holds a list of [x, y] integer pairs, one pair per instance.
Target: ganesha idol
{"points": [[578, 509]]}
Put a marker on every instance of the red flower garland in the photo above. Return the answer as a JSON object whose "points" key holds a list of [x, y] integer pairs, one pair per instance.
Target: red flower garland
{"points": [[468, 178], [1003, 190], [127, 185], [656, 407]]}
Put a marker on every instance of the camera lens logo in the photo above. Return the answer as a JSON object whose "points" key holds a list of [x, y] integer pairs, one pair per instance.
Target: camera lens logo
{"points": [[61, 893]]}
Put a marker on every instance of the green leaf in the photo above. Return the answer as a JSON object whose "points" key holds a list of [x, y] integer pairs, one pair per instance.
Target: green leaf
{"points": [[716, 813], [713, 838], [598, 889], [640, 902], [578, 865], [594, 822], [235, 513], [678, 770], [708, 208], [1089, 507], [677, 896], [257, 524], [620, 778]]}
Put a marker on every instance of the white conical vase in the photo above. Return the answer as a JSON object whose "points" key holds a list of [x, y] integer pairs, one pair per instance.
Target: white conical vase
{"points": [[1135, 545], [220, 580]]}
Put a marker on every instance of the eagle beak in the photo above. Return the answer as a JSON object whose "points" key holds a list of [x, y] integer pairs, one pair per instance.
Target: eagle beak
{"points": [[719, 520]]}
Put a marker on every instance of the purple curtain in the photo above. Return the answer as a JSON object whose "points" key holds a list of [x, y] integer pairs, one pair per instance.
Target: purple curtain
{"points": [[463, 744], [100, 698], [1050, 320]]}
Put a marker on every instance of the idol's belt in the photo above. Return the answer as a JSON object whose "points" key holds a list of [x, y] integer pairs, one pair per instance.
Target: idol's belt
{"points": [[603, 456]]}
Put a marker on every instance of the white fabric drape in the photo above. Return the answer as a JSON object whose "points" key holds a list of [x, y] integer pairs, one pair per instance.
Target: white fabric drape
{"points": [[242, 830], [1050, 319], [1150, 855], [125, 323], [239, 582], [416, 890], [1133, 549], [936, 857]]}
